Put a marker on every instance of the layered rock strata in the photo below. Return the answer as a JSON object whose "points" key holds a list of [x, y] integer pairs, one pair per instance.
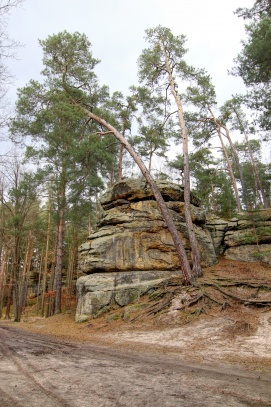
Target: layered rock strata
{"points": [[217, 228], [132, 250], [132, 234], [99, 291], [248, 237]]}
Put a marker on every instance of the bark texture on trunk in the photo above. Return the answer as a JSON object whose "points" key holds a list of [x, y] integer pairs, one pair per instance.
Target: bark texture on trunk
{"points": [[197, 270], [59, 258]]}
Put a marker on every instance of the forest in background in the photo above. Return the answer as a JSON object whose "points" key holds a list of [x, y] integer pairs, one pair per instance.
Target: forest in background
{"points": [[50, 197]]}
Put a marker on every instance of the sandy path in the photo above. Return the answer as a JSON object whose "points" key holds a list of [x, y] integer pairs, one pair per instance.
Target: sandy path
{"points": [[38, 370]]}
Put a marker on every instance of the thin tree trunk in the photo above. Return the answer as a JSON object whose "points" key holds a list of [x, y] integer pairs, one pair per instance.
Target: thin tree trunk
{"points": [[45, 262], [262, 196], [59, 261], [16, 295], [39, 284], [2, 278], [60, 240], [197, 270], [259, 186], [236, 158], [25, 274], [184, 263], [16, 279], [70, 272], [121, 161], [50, 296], [218, 126], [9, 297]]}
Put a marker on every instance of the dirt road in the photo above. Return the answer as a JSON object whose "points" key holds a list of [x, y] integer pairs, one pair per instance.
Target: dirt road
{"points": [[40, 371]]}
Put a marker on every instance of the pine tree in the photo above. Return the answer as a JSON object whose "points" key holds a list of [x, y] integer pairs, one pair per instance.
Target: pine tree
{"points": [[162, 67], [65, 145]]}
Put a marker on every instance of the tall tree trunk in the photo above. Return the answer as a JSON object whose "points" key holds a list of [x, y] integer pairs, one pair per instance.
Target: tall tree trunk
{"points": [[45, 262], [25, 274], [39, 290], [197, 270], [70, 272], [184, 263], [121, 161], [233, 180], [237, 162], [3, 260], [261, 193], [51, 293], [59, 260], [60, 238], [16, 294], [260, 189], [9, 297], [16, 278]]}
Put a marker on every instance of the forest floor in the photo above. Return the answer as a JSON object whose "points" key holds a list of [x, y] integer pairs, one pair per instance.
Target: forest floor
{"points": [[227, 319], [208, 345]]}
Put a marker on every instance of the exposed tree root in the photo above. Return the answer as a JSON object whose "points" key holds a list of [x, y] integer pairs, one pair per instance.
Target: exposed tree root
{"points": [[207, 294]]}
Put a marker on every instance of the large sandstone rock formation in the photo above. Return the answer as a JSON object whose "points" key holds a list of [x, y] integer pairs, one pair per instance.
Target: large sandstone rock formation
{"points": [[132, 234], [132, 250]]}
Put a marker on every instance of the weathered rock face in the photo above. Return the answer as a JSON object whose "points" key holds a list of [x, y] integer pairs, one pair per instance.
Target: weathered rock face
{"points": [[248, 237], [96, 292], [250, 253], [218, 228], [132, 234], [132, 250]]}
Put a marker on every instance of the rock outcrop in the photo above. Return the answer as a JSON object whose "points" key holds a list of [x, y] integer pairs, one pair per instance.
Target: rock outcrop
{"points": [[132, 250], [97, 292], [248, 237], [217, 228], [132, 234]]}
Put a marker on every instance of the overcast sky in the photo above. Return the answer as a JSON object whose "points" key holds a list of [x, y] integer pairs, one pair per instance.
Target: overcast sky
{"points": [[116, 30]]}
